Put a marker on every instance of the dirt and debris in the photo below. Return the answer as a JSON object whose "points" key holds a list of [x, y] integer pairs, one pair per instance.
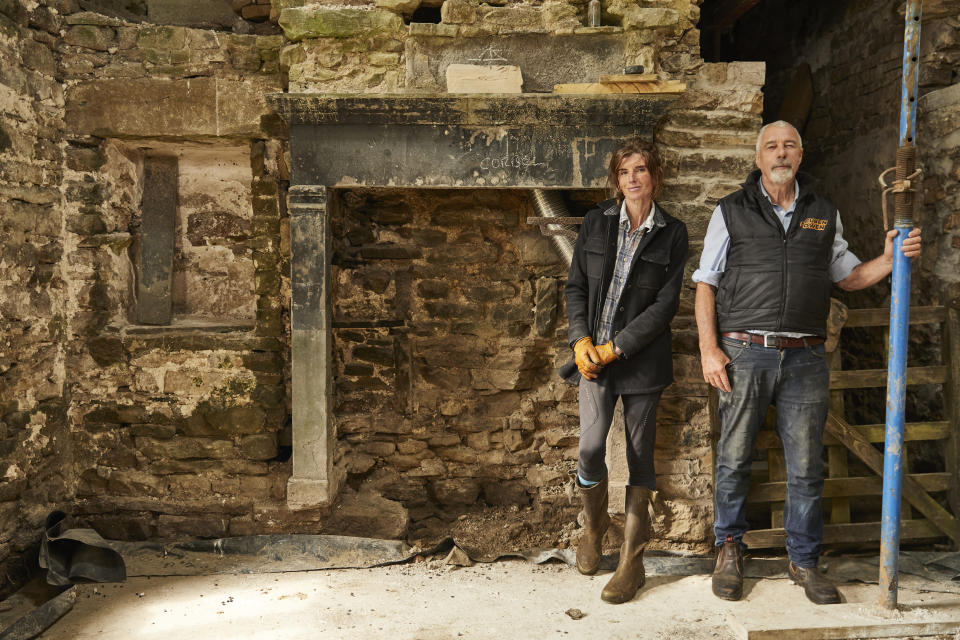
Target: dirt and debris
{"points": [[429, 600]]}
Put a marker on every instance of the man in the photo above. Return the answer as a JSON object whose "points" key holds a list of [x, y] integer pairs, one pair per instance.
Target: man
{"points": [[772, 251]]}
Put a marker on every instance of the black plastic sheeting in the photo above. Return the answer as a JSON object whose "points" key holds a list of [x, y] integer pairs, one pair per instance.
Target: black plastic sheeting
{"points": [[77, 555]]}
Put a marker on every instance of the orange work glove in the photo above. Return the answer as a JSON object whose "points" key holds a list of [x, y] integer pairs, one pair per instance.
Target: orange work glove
{"points": [[606, 353], [588, 360]]}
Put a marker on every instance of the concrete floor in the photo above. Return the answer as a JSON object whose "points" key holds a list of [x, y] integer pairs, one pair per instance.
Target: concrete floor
{"points": [[502, 600]]}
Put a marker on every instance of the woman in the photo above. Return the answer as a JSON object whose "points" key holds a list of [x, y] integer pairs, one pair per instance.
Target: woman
{"points": [[622, 292]]}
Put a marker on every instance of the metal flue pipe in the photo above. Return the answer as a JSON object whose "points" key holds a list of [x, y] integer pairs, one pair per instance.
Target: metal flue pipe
{"points": [[549, 204], [899, 315]]}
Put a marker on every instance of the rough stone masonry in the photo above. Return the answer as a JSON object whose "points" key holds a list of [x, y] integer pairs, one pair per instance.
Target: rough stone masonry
{"points": [[448, 307]]}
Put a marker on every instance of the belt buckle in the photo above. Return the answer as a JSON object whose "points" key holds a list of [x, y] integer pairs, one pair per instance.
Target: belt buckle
{"points": [[766, 344]]}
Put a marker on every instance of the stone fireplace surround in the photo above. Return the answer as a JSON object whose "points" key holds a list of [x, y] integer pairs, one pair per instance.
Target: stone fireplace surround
{"points": [[417, 141]]}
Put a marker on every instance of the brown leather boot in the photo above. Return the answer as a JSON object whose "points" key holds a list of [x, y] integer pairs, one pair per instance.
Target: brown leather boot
{"points": [[728, 574], [595, 523], [630, 576], [819, 590]]}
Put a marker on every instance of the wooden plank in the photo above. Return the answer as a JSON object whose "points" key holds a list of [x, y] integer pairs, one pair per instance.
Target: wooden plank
{"points": [[872, 432], [881, 317], [840, 624], [627, 77], [865, 378], [951, 393], [855, 486], [837, 466], [776, 464], [654, 86], [911, 489], [840, 533]]}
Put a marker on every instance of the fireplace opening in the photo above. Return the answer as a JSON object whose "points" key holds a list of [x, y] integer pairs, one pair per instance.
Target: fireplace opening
{"points": [[448, 325]]}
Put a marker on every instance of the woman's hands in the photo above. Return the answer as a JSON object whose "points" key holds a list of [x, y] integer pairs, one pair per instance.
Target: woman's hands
{"points": [[590, 359]]}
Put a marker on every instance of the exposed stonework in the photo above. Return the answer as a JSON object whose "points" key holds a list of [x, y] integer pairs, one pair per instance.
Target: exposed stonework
{"points": [[181, 430], [448, 308], [939, 120], [34, 325]]}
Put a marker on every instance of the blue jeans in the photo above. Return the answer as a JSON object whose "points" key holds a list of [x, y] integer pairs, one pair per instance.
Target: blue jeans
{"points": [[797, 382]]}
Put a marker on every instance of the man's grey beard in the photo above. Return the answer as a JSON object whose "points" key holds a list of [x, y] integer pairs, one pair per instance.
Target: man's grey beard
{"points": [[781, 175]]}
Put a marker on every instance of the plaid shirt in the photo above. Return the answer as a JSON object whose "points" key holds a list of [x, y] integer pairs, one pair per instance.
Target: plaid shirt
{"points": [[626, 249]]}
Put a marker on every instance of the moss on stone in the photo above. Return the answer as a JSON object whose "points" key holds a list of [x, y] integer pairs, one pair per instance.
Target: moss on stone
{"points": [[336, 22]]}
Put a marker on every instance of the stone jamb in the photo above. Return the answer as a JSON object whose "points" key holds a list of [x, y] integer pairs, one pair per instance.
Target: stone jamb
{"points": [[315, 480]]}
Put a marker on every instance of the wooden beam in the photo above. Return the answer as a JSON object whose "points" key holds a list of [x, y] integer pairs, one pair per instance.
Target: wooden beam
{"points": [[725, 13], [865, 378], [912, 490], [951, 393], [777, 468], [627, 77], [847, 487], [653, 86], [840, 533], [872, 432], [880, 317], [837, 466]]}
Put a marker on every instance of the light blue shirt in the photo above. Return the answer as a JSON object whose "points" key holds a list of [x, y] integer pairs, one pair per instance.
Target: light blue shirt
{"points": [[713, 260]]}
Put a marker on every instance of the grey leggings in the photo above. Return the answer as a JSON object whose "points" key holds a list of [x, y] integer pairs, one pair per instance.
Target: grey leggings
{"points": [[597, 403]]}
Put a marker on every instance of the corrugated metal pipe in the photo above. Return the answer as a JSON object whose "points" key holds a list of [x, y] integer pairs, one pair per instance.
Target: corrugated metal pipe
{"points": [[549, 204]]}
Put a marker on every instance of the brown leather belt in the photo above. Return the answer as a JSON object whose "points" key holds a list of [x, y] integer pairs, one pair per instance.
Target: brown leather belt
{"points": [[774, 342]]}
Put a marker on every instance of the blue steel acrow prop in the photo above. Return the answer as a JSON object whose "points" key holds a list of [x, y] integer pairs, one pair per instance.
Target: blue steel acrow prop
{"points": [[899, 313]]}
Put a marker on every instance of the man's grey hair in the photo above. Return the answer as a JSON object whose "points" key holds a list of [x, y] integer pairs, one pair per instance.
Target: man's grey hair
{"points": [[778, 123]]}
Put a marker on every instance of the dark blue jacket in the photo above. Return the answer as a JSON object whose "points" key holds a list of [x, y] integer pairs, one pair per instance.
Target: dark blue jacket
{"points": [[646, 307]]}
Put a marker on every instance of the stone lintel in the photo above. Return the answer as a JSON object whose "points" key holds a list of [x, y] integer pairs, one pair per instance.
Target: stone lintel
{"points": [[168, 108]]}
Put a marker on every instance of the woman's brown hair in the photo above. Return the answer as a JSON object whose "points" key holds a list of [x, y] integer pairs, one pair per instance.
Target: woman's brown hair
{"points": [[650, 154]]}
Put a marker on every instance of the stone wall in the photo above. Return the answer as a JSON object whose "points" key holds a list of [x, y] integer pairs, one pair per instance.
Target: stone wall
{"points": [[178, 428], [35, 443], [939, 119], [449, 308]]}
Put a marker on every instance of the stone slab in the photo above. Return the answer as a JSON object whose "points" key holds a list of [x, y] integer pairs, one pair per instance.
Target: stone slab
{"points": [[476, 78], [461, 141], [438, 156], [158, 224], [157, 107], [210, 14]]}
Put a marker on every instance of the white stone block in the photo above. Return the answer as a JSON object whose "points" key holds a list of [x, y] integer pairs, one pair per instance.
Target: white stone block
{"points": [[477, 78]]}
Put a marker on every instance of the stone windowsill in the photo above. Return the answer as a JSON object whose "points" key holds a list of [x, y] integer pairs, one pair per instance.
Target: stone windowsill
{"points": [[189, 325]]}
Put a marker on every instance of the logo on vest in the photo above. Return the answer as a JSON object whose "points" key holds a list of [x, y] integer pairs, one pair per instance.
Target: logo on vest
{"points": [[814, 224]]}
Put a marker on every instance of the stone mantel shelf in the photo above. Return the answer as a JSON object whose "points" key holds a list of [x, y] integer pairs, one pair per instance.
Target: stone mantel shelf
{"points": [[540, 109]]}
